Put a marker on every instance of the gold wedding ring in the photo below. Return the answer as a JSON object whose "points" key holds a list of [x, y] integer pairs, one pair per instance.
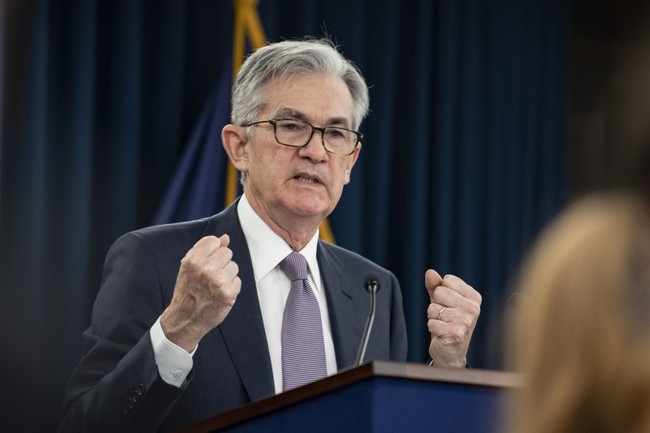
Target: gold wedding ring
{"points": [[440, 313]]}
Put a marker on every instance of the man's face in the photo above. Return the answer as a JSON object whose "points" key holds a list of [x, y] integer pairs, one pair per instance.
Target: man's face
{"points": [[284, 183]]}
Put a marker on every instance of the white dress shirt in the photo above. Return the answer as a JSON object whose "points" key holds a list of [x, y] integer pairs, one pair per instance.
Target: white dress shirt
{"points": [[267, 250]]}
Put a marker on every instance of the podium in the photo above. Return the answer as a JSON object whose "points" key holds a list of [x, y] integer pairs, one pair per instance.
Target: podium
{"points": [[378, 397]]}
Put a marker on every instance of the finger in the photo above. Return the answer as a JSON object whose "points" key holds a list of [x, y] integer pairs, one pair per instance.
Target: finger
{"points": [[219, 257], [461, 287], [204, 247], [437, 328], [236, 287], [444, 296], [464, 318], [225, 240], [432, 279], [449, 334], [440, 329], [210, 243], [229, 274], [435, 310], [220, 251], [230, 284]]}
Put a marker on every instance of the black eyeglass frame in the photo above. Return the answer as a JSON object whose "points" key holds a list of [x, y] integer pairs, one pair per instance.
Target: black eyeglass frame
{"points": [[274, 122]]}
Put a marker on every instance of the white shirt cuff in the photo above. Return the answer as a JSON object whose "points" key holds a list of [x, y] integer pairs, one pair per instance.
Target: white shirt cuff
{"points": [[174, 363]]}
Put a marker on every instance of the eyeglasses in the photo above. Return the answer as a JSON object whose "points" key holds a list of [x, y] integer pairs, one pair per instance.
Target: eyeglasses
{"points": [[296, 133]]}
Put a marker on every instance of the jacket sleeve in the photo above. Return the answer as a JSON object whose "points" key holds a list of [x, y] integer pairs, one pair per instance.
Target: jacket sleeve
{"points": [[116, 386], [398, 337]]}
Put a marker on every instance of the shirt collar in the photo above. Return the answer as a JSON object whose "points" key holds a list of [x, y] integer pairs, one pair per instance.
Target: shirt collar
{"points": [[267, 249]]}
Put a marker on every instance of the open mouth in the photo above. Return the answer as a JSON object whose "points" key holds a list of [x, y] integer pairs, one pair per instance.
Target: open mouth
{"points": [[307, 179]]}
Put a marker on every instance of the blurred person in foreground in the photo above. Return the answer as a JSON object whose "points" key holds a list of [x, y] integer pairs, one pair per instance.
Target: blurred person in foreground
{"points": [[581, 332], [190, 318]]}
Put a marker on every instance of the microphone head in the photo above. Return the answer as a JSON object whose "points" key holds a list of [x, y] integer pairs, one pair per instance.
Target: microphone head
{"points": [[372, 283], [517, 300]]}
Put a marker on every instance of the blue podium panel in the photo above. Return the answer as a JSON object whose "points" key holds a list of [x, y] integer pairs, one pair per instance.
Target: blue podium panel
{"points": [[384, 404], [434, 407]]}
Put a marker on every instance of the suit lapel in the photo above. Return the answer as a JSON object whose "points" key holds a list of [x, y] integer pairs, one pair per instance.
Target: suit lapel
{"points": [[343, 310], [243, 329]]}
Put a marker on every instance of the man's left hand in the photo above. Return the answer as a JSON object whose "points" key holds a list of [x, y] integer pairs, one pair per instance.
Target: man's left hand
{"points": [[452, 313]]}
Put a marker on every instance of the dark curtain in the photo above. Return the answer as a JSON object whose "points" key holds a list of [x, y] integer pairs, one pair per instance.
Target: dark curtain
{"points": [[464, 158]]}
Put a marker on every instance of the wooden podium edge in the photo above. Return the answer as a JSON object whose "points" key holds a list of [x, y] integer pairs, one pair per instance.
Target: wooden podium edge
{"points": [[398, 370]]}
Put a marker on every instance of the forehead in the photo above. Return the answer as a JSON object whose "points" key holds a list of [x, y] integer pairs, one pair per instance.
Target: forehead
{"points": [[311, 97]]}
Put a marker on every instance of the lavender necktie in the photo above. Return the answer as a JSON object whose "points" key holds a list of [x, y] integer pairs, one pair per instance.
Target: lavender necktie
{"points": [[303, 350]]}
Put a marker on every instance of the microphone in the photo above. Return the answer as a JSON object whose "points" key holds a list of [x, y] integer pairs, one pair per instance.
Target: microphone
{"points": [[517, 300], [372, 286]]}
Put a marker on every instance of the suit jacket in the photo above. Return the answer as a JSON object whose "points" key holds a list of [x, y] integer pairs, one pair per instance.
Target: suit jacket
{"points": [[116, 386]]}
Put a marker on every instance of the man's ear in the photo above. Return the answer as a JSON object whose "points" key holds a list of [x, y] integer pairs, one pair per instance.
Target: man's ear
{"points": [[234, 139]]}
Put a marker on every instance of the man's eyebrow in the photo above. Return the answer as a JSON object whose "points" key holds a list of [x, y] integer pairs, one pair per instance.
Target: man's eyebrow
{"points": [[289, 113], [284, 113], [338, 121]]}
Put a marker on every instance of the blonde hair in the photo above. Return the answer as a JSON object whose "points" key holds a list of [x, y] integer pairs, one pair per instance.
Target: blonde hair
{"points": [[581, 338]]}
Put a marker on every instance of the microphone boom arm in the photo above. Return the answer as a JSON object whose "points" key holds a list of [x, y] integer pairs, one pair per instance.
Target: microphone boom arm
{"points": [[372, 286]]}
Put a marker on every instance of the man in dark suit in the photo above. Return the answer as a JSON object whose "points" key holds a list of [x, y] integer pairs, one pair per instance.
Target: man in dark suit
{"points": [[190, 319]]}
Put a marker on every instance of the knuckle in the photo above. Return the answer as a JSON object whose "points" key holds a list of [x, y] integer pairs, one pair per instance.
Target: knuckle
{"points": [[467, 322], [237, 285], [220, 280], [457, 334], [230, 299], [475, 310], [188, 262]]}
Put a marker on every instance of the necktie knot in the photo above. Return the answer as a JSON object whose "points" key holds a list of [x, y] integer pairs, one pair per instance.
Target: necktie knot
{"points": [[294, 266]]}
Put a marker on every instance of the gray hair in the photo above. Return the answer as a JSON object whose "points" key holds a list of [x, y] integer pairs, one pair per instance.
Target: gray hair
{"points": [[289, 58]]}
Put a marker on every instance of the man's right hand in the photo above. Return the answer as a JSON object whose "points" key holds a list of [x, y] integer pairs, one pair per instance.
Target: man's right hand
{"points": [[206, 289]]}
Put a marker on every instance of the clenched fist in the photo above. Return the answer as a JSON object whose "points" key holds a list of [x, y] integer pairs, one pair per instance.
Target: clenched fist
{"points": [[206, 289], [452, 313]]}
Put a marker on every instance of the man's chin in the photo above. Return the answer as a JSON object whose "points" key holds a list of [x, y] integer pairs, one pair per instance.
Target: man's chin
{"points": [[315, 211]]}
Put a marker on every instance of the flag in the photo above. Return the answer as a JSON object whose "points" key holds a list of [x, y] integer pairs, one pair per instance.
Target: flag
{"points": [[205, 181], [197, 187]]}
